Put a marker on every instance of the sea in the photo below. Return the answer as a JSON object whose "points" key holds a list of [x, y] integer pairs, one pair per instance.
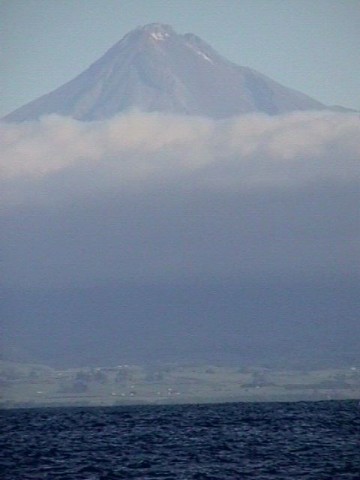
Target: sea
{"points": [[302, 440]]}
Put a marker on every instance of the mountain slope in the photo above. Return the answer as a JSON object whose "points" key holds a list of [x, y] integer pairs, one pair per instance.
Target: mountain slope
{"points": [[154, 69]]}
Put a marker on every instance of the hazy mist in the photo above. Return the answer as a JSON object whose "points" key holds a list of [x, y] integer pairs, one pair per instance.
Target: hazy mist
{"points": [[153, 237]]}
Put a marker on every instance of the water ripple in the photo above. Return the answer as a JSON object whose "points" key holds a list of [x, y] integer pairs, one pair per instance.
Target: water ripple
{"points": [[231, 441]]}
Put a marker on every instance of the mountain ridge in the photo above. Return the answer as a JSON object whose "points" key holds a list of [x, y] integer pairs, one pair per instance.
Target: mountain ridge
{"points": [[152, 68]]}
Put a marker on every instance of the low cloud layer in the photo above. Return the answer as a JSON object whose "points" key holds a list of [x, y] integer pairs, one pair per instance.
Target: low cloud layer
{"points": [[148, 196], [137, 148]]}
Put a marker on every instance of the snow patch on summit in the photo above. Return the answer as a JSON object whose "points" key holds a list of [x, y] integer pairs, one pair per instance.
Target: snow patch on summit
{"points": [[159, 36], [199, 52]]}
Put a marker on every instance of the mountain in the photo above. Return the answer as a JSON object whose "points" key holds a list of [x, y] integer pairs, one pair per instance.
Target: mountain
{"points": [[155, 69]]}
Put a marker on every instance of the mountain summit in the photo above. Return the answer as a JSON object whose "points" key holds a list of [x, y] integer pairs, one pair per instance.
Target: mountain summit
{"points": [[155, 69]]}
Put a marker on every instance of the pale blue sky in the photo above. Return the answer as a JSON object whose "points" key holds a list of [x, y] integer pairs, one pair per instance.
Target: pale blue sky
{"points": [[309, 45]]}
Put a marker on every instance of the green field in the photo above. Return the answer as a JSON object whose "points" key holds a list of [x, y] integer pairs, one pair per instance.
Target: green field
{"points": [[25, 385]]}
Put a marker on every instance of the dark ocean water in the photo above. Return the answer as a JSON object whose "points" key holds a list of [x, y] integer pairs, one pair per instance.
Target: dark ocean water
{"points": [[306, 440]]}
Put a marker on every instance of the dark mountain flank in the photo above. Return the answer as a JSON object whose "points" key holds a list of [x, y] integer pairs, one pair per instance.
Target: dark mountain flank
{"points": [[155, 69]]}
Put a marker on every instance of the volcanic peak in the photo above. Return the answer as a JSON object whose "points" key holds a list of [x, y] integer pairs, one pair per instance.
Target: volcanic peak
{"points": [[153, 68]]}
